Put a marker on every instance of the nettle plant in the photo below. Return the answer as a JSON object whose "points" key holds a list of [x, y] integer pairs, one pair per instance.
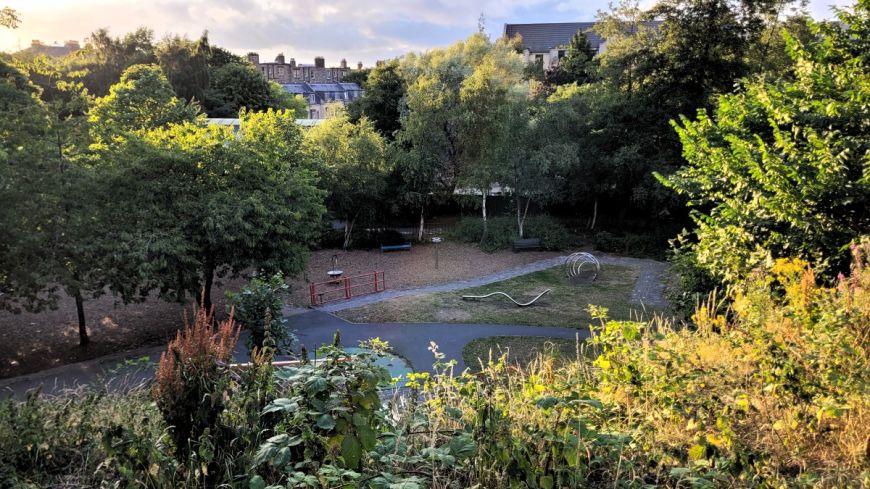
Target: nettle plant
{"points": [[329, 416]]}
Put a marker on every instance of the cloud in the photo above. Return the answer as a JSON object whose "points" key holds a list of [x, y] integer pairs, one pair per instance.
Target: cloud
{"points": [[365, 30]]}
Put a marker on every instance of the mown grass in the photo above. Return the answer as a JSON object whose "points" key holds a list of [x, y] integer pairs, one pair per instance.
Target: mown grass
{"points": [[565, 305]]}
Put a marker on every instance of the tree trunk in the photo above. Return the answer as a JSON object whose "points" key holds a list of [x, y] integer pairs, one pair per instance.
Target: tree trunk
{"points": [[422, 222], [594, 213], [483, 209], [519, 218], [208, 280], [348, 230], [80, 311]]}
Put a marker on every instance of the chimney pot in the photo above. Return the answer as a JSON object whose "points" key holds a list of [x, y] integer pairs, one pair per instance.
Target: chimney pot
{"points": [[319, 62]]}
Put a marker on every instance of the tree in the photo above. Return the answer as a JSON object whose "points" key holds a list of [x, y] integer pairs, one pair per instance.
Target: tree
{"points": [[234, 86], [448, 111], [186, 65], [9, 18], [381, 101], [780, 168], [142, 99], [51, 216], [360, 77], [284, 100], [209, 202], [104, 58], [351, 161], [577, 64]]}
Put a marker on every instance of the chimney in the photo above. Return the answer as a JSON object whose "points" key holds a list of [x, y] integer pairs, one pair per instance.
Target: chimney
{"points": [[280, 58], [319, 62], [359, 65], [343, 64], [72, 45], [293, 62], [254, 58], [35, 43]]}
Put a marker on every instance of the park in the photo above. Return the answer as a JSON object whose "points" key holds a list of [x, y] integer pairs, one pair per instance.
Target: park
{"points": [[638, 257]]}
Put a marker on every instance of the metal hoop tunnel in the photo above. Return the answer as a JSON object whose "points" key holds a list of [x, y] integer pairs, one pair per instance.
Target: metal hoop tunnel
{"points": [[578, 263]]}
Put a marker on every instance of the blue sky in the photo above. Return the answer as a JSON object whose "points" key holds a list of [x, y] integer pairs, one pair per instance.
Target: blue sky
{"points": [[358, 30]]}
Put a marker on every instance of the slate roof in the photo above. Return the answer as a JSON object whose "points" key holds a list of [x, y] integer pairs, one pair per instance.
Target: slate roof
{"points": [[541, 38], [318, 93]]}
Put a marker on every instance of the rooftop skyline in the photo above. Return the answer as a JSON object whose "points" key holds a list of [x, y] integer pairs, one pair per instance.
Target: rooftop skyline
{"points": [[356, 30]]}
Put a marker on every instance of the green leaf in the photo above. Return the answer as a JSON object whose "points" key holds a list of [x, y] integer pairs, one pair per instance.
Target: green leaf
{"points": [[351, 451], [546, 482], [326, 422], [257, 482]]}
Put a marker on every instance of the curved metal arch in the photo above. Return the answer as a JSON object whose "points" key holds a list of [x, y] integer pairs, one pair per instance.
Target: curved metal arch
{"points": [[521, 304], [575, 263]]}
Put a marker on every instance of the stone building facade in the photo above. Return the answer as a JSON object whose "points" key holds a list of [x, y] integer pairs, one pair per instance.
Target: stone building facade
{"points": [[282, 71], [38, 47]]}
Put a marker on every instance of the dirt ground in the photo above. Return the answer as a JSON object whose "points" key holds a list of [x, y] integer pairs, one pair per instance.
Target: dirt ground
{"points": [[33, 342]]}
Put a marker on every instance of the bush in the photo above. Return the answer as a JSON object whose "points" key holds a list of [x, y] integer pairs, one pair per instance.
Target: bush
{"points": [[192, 377], [259, 302], [363, 239], [641, 245], [553, 235], [502, 231]]}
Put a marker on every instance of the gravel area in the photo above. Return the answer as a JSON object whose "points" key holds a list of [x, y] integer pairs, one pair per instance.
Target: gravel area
{"points": [[415, 268]]}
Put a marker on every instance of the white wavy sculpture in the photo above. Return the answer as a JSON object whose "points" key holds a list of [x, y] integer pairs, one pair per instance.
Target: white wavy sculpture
{"points": [[521, 304], [575, 263]]}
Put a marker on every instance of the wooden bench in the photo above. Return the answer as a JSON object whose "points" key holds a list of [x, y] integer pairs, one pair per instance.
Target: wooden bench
{"points": [[527, 244], [406, 246]]}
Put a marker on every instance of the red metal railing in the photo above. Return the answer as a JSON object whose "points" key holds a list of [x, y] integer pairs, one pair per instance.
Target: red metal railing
{"points": [[346, 287]]}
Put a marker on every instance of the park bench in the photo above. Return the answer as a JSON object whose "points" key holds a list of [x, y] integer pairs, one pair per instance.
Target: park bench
{"points": [[406, 246], [527, 244]]}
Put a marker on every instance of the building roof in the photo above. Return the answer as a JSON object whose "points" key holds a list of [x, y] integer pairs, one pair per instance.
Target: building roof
{"points": [[298, 88], [540, 38], [350, 86]]}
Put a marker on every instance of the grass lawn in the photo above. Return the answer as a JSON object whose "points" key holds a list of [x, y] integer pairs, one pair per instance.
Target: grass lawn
{"points": [[565, 305], [521, 350]]}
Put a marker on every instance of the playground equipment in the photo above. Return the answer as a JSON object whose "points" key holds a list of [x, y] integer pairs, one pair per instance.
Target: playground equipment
{"points": [[582, 266], [335, 273], [520, 304], [346, 287]]}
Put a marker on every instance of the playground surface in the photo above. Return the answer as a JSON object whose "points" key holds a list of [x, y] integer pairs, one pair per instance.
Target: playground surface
{"points": [[35, 342]]}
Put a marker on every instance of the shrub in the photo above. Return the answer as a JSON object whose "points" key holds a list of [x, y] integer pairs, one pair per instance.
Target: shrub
{"points": [[553, 235], [261, 302], [502, 230], [192, 377]]}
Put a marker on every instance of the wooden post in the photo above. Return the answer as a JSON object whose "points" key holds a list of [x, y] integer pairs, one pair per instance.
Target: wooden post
{"points": [[376, 281], [312, 290], [346, 288]]}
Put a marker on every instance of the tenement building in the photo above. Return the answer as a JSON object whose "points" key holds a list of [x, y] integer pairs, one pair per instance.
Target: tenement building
{"points": [[282, 72], [321, 95]]}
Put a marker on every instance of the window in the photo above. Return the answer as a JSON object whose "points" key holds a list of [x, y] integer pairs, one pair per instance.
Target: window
{"points": [[561, 53], [539, 58]]}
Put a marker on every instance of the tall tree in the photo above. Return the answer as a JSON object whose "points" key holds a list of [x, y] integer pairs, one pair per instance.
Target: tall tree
{"points": [[577, 65], [186, 65], [234, 86], [351, 162], [104, 58], [214, 203], [382, 99], [51, 212], [780, 168]]}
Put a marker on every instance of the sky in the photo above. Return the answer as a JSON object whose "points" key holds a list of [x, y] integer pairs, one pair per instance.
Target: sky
{"points": [[357, 30]]}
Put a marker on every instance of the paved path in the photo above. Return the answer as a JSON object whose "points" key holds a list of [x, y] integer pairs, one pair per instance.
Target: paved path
{"points": [[317, 327], [314, 328], [647, 291]]}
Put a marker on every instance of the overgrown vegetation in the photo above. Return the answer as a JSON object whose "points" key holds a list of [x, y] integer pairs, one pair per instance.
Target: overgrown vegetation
{"points": [[502, 231], [773, 394]]}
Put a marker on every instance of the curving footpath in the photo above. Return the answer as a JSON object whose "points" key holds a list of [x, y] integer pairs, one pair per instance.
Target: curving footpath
{"points": [[317, 327]]}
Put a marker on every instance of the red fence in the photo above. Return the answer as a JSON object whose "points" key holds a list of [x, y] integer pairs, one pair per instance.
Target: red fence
{"points": [[346, 287]]}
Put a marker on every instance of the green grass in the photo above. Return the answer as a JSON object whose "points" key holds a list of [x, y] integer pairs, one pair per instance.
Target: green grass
{"points": [[566, 305], [520, 350]]}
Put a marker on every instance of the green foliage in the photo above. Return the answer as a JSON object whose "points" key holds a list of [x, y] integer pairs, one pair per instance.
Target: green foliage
{"points": [[142, 99], [234, 86], [381, 102], [284, 100], [330, 417], [259, 306], [186, 65], [577, 64], [795, 151], [350, 157], [502, 231]]}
